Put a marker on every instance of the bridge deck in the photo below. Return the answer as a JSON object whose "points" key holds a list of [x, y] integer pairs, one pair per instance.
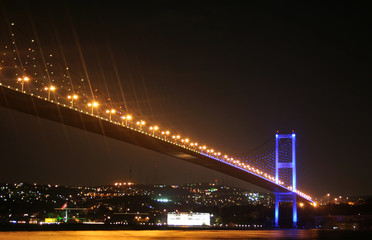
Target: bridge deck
{"points": [[27, 103]]}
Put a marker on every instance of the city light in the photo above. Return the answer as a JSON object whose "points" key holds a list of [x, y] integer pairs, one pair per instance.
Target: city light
{"points": [[153, 129], [23, 80], [49, 89], [126, 118], [165, 133], [140, 124], [110, 112], [72, 98], [123, 183], [93, 105], [188, 219], [176, 137]]}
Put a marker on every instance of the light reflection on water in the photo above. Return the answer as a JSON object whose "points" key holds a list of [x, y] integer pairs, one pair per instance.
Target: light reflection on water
{"points": [[179, 234]]}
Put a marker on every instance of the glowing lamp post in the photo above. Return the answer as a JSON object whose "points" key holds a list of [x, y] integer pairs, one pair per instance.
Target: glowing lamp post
{"points": [[203, 148], [153, 129], [93, 105], [176, 137], [72, 98], [165, 133], [140, 124], [23, 80], [212, 151], [49, 89], [185, 141], [110, 112], [194, 145], [126, 118]]}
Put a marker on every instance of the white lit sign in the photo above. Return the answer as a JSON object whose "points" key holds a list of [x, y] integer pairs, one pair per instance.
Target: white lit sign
{"points": [[189, 219]]}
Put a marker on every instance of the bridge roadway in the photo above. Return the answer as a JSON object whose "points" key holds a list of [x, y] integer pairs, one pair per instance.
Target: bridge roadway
{"points": [[40, 107]]}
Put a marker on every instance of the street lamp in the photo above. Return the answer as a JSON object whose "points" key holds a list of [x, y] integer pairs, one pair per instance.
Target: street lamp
{"points": [[185, 141], [176, 137], [112, 111], [72, 97], [202, 148], [165, 133], [23, 80], [49, 89], [93, 105], [126, 118], [140, 124], [212, 151], [153, 129]]}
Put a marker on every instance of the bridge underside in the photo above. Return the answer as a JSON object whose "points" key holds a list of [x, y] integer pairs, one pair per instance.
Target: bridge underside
{"points": [[63, 114]]}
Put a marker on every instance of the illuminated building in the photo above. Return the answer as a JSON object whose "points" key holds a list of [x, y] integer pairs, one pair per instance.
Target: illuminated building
{"points": [[188, 219]]}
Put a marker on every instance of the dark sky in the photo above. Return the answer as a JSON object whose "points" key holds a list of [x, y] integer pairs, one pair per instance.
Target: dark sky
{"points": [[227, 73]]}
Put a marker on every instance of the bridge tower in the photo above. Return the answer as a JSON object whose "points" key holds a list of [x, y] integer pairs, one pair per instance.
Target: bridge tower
{"points": [[285, 170]]}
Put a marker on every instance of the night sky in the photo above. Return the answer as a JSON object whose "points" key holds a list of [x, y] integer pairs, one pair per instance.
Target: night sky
{"points": [[227, 73]]}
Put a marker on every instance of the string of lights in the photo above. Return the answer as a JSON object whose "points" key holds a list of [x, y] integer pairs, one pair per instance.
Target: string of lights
{"points": [[31, 71]]}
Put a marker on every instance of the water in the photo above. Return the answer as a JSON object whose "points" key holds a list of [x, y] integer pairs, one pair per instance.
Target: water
{"points": [[179, 234]]}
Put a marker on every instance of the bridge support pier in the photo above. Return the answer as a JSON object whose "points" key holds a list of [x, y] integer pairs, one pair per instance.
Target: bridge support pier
{"points": [[285, 160], [286, 197]]}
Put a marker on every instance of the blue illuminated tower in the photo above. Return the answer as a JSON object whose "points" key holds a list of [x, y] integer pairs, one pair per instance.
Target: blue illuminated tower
{"points": [[285, 170]]}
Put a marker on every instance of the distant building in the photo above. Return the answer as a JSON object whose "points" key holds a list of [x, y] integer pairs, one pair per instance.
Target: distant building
{"points": [[340, 222], [189, 219]]}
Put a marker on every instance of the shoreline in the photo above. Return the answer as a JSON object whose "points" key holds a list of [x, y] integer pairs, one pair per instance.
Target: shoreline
{"points": [[5, 227], [8, 227]]}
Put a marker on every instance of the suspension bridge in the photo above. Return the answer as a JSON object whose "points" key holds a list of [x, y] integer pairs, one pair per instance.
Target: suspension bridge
{"points": [[36, 83]]}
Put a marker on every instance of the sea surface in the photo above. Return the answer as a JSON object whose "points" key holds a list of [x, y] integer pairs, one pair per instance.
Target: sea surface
{"points": [[187, 234]]}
